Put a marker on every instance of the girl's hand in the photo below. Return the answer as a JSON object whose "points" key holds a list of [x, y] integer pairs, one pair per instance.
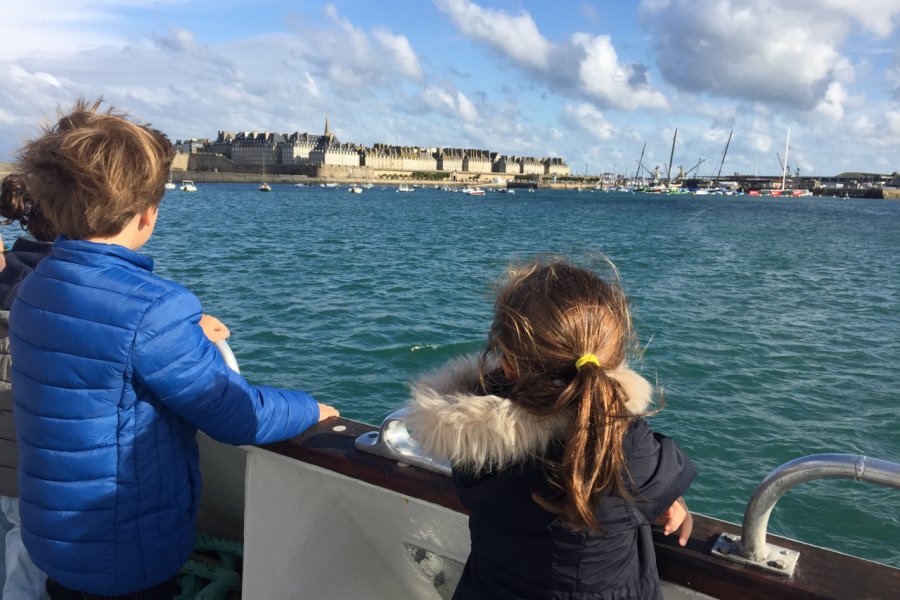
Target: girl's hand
{"points": [[214, 329], [326, 412], [677, 518]]}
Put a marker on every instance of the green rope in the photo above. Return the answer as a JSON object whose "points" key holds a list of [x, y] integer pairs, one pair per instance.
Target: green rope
{"points": [[207, 577]]}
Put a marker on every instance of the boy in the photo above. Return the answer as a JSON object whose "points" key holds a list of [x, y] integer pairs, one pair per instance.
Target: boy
{"points": [[112, 374]]}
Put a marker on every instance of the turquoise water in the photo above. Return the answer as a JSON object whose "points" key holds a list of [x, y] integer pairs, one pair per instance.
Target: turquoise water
{"points": [[773, 325]]}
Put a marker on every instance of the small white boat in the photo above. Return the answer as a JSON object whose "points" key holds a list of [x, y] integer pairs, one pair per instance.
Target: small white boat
{"points": [[265, 187], [188, 186], [404, 188], [355, 189], [475, 192], [170, 185]]}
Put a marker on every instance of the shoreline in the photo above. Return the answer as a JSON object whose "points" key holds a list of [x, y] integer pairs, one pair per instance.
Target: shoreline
{"points": [[254, 178]]}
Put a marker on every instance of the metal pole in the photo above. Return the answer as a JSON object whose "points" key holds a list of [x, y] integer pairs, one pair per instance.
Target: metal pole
{"points": [[795, 472]]}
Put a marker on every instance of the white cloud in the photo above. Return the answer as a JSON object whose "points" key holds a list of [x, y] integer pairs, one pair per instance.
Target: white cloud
{"points": [[893, 124], [587, 117], [585, 65], [880, 17], [760, 137], [761, 50], [454, 106], [400, 50], [348, 56], [602, 77], [177, 40], [832, 104], [515, 36]]}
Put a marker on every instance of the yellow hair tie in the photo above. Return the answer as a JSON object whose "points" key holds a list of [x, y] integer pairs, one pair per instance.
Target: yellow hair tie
{"points": [[585, 359]]}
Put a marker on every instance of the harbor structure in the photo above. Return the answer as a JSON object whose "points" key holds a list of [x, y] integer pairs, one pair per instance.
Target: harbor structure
{"points": [[326, 156]]}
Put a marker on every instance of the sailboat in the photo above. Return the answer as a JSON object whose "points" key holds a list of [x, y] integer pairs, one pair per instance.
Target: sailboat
{"points": [[170, 185], [264, 187]]}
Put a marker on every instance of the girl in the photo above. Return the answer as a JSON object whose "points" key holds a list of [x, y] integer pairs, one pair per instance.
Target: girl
{"points": [[19, 578], [560, 473]]}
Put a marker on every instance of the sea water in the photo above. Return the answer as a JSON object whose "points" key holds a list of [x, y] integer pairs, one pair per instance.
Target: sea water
{"points": [[773, 325]]}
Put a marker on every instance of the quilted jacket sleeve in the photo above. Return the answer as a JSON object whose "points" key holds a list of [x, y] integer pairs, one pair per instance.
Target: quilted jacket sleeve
{"points": [[176, 363], [660, 472]]}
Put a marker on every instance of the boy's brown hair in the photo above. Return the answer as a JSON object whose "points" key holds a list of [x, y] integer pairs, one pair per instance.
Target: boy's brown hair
{"points": [[93, 171]]}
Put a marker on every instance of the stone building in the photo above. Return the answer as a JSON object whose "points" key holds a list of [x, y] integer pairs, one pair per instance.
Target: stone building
{"points": [[450, 159], [477, 161], [399, 158], [508, 165], [191, 146], [305, 152], [329, 151], [254, 148], [222, 144], [530, 166], [296, 148], [555, 166]]}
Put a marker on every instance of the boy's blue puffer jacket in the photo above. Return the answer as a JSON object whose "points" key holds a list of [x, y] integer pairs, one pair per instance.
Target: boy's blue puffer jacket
{"points": [[112, 376]]}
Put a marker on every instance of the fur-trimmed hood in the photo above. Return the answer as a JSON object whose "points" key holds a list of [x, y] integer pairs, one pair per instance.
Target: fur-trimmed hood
{"points": [[484, 432]]}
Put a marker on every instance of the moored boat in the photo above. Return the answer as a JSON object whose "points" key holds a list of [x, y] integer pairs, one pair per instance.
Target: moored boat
{"points": [[188, 186], [265, 187]]}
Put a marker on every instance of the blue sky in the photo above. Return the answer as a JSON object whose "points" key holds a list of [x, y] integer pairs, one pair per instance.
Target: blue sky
{"points": [[588, 81]]}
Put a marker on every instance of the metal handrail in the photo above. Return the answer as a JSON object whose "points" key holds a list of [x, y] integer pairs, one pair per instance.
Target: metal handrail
{"points": [[751, 547], [227, 355], [394, 441], [801, 470]]}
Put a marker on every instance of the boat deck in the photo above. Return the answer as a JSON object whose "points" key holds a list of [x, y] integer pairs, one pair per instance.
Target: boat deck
{"points": [[314, 501]]}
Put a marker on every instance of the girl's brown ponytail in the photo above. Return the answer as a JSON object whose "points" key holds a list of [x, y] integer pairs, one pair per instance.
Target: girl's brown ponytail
{"points": [[550, 317]]}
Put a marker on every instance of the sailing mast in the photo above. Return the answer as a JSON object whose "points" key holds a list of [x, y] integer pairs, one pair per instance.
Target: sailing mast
{"points": [[640, 164], [722, 162], [671, 154], [787, 143]]}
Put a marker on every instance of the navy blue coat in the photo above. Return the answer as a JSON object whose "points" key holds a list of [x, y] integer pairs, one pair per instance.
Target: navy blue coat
{"points": [[20, 261], [520, 550], [499, 452], [112, 377]]}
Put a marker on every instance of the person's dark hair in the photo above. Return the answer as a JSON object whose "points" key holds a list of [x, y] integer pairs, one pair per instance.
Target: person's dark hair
{"points": [[549, 314], [16, 204], [92, 171]]}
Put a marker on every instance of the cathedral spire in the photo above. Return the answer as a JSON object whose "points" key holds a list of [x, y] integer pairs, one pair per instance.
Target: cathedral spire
{"points": [[327, 129]]}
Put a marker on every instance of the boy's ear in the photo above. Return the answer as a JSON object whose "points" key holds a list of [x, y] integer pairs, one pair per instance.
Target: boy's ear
{"points": [[148, 216]]}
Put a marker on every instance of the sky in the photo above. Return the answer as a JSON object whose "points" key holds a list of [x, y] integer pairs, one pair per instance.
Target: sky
{"points": [[589, 81]]}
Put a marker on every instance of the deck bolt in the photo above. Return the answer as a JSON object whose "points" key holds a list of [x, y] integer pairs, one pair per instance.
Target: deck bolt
{"points": [[777, 564]]}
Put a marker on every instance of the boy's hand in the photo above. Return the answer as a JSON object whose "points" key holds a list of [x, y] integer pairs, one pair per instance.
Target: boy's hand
{"points": [[326, 412], [677, 517], [214, 329]]}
